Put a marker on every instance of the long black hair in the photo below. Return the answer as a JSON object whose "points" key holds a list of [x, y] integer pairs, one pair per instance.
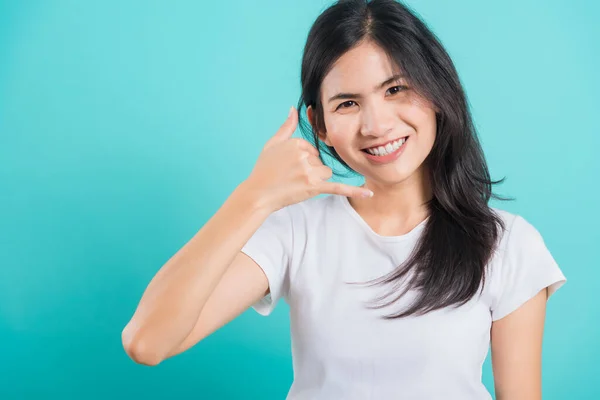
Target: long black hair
{"points": [[448, 263]]}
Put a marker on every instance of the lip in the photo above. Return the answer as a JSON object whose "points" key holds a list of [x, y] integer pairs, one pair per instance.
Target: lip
{"points": [[387, 158], [385, 143]]}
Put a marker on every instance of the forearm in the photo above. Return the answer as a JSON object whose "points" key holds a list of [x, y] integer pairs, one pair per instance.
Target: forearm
{"points": [[172, 302]]}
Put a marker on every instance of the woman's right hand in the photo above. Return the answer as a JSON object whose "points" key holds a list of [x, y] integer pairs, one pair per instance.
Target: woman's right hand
{"points": [[289, 171]]}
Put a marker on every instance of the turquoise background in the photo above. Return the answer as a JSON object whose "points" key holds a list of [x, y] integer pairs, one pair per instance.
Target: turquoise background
{"points": [[124, 125]]}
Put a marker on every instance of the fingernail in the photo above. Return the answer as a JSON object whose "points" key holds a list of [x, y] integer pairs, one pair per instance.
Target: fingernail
{"points": [[291, 112], [367, 193]]}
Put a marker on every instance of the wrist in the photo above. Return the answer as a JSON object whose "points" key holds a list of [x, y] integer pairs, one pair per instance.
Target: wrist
{"points": [[253, 197]]}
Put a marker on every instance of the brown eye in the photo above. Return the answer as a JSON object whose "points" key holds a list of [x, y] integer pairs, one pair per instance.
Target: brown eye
{"points": [[396, 89], [345, 104]]}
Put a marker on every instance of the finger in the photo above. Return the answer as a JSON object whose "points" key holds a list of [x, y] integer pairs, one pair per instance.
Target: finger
{"points": [[323, 172], [289, 126], [305, 145], [344, 190], [315, 161]]}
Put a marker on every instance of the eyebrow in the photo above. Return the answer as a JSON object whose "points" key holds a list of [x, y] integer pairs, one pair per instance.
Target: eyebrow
{"points": [[339, 96]]}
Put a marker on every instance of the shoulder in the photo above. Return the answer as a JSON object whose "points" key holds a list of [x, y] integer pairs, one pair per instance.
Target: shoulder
{"points": [[522, 266], [299, 218], [316, 203], [313, 208], [518, 231]]}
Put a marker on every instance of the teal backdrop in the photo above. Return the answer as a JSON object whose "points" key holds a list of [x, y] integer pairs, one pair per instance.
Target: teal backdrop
{"points": [[124, 125]]}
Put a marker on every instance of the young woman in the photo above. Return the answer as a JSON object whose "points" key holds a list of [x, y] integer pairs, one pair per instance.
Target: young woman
{"points": [[396, 288]]}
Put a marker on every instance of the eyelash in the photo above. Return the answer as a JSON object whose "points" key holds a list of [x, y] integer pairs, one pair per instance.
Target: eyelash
{"points": [[400, 87]]}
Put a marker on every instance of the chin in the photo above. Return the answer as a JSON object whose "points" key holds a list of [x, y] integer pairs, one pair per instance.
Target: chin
{"points": [[392, 176], [390, 181]]}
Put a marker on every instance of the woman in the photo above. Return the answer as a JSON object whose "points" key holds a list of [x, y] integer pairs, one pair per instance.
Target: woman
{"points": [[396, 288]]}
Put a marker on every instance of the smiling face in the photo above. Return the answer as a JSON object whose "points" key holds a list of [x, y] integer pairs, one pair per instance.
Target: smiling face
{"points": [[377, 124]]}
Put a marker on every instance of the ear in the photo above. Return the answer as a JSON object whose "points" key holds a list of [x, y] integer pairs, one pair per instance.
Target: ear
{"points": [[311, 118]]}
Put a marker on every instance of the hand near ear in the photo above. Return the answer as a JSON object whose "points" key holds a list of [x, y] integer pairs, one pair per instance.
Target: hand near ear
{"points": [[289, 171]]}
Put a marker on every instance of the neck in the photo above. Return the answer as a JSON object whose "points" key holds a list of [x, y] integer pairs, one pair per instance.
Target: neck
{"points": [[396, 207]]}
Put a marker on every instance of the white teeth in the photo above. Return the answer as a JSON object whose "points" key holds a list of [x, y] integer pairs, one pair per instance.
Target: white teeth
{"points": [[387, 149]]}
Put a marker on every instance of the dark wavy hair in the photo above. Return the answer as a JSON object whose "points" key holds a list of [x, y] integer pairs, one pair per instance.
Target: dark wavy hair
{"points": [[448, 263]]}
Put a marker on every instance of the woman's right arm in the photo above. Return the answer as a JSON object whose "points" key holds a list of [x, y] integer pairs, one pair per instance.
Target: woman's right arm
{"points": [[171, 315], [209, 281]]}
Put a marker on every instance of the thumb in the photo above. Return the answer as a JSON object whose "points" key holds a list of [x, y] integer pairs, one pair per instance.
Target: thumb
{"points": [[289, 126]]}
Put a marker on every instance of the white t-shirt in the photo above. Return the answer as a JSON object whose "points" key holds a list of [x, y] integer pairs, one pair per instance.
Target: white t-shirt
{"points": [[340, 348]]}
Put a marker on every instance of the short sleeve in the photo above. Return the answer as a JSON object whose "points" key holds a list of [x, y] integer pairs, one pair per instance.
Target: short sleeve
{"points": [[271, 248], [526, 268]]}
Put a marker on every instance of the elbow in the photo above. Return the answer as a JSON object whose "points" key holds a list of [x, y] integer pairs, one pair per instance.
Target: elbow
{"points": [[138, 347]]}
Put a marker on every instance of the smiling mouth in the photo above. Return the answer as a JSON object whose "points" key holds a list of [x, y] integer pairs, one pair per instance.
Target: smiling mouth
{"points": [[389, 148]]}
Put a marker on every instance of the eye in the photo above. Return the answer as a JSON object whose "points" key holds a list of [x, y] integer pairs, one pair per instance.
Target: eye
{"points": [[345, 104], [397, 89]]}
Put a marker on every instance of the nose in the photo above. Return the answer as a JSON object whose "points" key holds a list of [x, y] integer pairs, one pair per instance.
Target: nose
{"points": [[377, 120]]}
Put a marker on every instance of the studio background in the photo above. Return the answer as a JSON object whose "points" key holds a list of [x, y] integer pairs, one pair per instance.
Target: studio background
{"points": [[124, 125]]}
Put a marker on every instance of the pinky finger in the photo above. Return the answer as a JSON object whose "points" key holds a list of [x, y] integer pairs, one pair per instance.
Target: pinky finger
{"points": [[345, 190]]}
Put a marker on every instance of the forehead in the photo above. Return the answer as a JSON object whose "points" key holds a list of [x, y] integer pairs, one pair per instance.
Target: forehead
{"points": [[359, 70]]}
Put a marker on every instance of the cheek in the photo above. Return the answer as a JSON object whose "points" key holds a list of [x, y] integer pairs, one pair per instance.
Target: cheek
{"points": [[422, 114], [424, 123], [428, 127], [431, 127], [419, 102], [339, 131], [426, 136]]}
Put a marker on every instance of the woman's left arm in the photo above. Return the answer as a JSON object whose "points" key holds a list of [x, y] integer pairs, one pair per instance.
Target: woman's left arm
{"points": [[516, 342]]}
